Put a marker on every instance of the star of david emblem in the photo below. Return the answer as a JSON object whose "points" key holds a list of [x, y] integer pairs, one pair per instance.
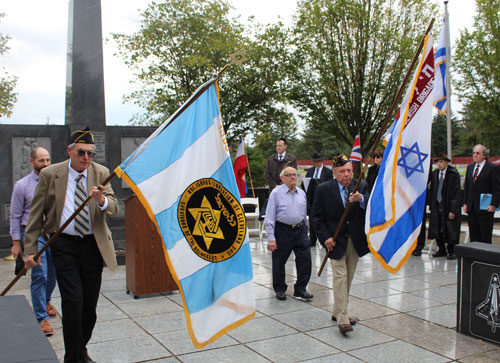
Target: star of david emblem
{"points": [[207, 222], [412, 160], [238, 57]]}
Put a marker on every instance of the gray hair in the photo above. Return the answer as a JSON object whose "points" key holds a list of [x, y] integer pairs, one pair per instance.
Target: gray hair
{"points": [[72, 146], [486, 151]]}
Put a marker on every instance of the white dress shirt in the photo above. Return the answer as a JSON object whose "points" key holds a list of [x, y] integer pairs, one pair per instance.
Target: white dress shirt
{"points": [[69, 201]]}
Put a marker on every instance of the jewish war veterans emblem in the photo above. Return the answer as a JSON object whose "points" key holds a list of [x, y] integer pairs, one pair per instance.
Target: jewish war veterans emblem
{"points": [[212, 220]]}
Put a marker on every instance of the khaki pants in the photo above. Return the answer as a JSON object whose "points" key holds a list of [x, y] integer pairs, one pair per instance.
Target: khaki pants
{"points": [[343, 272]]}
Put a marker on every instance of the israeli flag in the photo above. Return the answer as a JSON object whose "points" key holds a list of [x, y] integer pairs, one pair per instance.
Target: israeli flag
{"points": [[440, 91], [396, 206], [184, 177]]}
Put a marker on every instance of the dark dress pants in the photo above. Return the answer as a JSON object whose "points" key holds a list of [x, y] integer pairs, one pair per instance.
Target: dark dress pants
{"points": [[79, 265], [480, 226], [288, 240], [443, 235]]}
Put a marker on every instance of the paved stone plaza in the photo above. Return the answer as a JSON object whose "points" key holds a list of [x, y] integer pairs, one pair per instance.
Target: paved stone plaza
{"points": [[406, 317]]}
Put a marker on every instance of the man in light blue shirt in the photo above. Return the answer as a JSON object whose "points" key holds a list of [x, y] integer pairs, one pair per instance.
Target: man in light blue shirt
{"points": [[286, 228]]}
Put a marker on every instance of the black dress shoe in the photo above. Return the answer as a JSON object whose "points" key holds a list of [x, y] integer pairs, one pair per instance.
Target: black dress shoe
{"points": [[451, 256], [352, 319], [417, 253], [302, 295], [439, 254], [280, 296], [345, 328]]}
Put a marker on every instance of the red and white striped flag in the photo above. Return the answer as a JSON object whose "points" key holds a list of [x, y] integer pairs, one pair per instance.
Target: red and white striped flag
{"points": [[240, 163], [356, 149]]}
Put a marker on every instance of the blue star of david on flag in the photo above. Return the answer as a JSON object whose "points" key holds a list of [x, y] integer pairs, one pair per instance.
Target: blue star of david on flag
{"points": [[412, 160]]}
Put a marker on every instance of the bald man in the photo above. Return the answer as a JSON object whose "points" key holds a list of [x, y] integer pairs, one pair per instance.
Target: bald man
{"points": [[43, 277]]}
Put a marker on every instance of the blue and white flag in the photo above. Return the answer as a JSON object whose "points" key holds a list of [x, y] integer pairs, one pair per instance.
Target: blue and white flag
{"points": [[396, 206], [440, 91], [183, 176]]}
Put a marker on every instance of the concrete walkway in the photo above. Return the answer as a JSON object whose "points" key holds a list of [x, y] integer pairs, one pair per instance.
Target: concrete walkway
{"points": [[405, 317]]}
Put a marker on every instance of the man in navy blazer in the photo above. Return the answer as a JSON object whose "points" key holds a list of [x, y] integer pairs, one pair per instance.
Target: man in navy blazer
{"points": [[329, 205], [318, 174], [482, 177]]}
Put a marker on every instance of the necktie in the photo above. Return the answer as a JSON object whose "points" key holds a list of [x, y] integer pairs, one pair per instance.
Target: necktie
{"points": [[439, 196], [316, 172], [346, 196], [82, 219], [280, 157], [476, 172]]}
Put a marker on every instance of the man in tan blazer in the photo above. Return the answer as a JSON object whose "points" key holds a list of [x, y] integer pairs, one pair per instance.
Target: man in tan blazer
{"points": [[84, 245]]}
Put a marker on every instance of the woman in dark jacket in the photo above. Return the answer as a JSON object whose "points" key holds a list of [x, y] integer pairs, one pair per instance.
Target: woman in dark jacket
{"points": [[373, 169]]}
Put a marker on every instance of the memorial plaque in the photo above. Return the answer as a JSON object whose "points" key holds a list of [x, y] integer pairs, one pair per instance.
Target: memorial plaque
{"points": [[485, 301], [128, 145], [21, 153], [6, 214], [100, 146]]}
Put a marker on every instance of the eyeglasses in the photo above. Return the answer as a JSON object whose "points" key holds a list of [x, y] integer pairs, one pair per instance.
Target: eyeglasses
{"points": [[89, 153], [377, 156], [290, 175]]}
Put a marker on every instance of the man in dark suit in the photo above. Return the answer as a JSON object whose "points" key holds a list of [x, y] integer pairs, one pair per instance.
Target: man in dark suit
{"points": [[317, 174], [276, 163], [446, 207], [84, 245], [482, 177], [329, 204]]}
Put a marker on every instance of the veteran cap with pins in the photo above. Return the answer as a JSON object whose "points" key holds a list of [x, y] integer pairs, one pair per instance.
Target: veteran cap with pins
{"points": [[340, 160]]}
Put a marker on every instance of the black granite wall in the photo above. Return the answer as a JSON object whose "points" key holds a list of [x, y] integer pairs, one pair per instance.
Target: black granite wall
{"points": [[117, 143]]}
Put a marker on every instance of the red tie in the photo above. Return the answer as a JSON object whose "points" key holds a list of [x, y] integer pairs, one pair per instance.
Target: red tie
{"points": [[476, 172]]}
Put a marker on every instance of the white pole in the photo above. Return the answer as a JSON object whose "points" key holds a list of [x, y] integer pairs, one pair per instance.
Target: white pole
{"points": [[448, 83]]}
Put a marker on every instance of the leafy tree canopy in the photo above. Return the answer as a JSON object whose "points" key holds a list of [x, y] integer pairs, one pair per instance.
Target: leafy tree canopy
{"points": [[182, 43], [349, 60], [7, 82], [477, 62]]}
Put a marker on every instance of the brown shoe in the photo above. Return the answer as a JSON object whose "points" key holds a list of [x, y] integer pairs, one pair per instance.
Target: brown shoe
{"points": [[46, 328], [50, 310]]}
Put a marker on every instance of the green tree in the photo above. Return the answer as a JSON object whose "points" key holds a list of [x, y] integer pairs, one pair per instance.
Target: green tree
{"points": [[182, 43], [7, 82], [477, 62], [439, 142], [349, 60]]}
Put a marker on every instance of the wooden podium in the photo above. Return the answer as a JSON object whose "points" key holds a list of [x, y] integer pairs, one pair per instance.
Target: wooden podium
{"points": [[146, 269]]}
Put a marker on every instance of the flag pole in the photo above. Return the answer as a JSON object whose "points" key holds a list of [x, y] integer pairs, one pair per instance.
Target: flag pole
{"points": [[379, 137], [248, 162], [448, 82], [53, 237]]}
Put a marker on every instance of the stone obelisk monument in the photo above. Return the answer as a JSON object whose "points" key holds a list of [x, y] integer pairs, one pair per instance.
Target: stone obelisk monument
{"points": [[85, 103]]}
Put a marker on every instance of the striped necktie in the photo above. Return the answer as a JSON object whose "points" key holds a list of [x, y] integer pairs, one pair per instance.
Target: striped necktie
{"points": [[82, 219], [476, 172], [346, 195]]}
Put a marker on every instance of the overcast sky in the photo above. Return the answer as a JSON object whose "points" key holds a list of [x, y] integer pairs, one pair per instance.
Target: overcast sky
{"points": [[37, 56]]}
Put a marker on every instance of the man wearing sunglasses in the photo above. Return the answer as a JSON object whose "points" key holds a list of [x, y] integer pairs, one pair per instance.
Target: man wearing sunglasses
{"points": [[286, 228], [84, 245]]}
